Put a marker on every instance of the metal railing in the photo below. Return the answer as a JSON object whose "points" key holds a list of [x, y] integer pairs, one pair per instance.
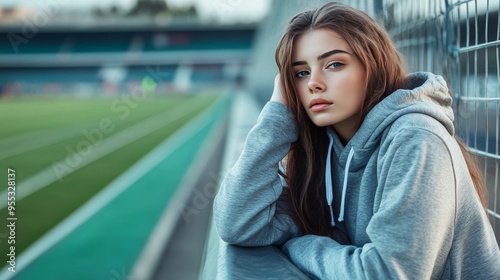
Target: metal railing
{"points": [[460, 40]]}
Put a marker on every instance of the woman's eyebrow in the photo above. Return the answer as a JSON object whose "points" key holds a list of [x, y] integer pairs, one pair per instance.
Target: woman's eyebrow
{"points": [[329, 53], [320, 57]]}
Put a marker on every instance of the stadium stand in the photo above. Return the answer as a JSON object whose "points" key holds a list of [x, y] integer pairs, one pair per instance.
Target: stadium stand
{"points": [[65, 57]]}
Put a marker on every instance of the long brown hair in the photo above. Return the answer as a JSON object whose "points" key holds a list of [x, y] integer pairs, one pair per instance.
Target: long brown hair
{"points": [[385, 73]]}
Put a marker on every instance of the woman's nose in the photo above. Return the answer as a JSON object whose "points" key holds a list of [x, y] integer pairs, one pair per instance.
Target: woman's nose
{"points": [[316, 83]]}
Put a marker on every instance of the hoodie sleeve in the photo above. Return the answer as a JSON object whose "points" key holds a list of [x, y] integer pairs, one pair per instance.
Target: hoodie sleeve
{"points": [[248, 209], [412, 225]]}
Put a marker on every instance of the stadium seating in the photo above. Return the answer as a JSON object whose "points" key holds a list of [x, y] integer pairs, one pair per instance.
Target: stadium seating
{"points": [[78, 56]]}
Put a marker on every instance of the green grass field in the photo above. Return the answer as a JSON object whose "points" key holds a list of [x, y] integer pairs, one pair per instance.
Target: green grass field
{"points": [[84, 144]]}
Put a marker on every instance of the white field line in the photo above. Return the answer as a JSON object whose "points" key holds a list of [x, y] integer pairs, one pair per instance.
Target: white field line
{"points": [[147, 262], [110, 192], [40, 133], [100, 149], [13, 140], [16, 138], [54, 137]]}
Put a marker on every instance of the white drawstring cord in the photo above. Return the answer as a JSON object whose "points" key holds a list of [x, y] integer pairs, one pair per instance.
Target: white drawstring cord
{"points": [[328, 180], [346, 173]]}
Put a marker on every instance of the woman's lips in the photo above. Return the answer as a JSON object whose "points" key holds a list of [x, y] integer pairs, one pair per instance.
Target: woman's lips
{"points": [[319, 104], [320, 107]]}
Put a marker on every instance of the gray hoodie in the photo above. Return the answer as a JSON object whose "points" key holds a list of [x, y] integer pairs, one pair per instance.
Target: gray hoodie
{"points": [[400, 190]]}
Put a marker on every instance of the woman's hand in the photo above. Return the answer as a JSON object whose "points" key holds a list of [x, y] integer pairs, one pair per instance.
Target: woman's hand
{"points": [[277, 92]]}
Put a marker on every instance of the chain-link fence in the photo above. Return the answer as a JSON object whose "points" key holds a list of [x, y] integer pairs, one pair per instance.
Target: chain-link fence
{"points": [[458, 39]]}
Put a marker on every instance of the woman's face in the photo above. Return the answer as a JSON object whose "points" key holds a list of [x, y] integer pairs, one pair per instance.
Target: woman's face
{"points": [[330, 81]]}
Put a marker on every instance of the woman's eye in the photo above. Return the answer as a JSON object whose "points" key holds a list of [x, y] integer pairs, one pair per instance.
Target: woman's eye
{"points": [[301, 74], [335, 65]]}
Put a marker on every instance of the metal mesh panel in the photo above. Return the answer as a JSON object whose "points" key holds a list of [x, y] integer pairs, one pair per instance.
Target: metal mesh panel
{"points": [[477, 73], [459, 40]]}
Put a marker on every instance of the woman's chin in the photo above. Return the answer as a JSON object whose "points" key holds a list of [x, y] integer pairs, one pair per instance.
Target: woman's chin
{"points": [[321, 123]]}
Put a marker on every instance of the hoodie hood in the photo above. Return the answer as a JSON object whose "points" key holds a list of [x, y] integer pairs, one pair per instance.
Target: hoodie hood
{"points": [[425, 93]]}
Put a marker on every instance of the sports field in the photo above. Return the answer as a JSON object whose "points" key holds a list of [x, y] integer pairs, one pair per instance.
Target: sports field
{"points": [[65, 151]]}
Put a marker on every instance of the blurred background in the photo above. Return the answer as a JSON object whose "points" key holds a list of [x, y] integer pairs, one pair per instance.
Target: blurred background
{"points": [[116, 119]]}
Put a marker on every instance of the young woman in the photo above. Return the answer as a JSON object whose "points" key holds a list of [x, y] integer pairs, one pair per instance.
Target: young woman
{"points": [[377, 184]]}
